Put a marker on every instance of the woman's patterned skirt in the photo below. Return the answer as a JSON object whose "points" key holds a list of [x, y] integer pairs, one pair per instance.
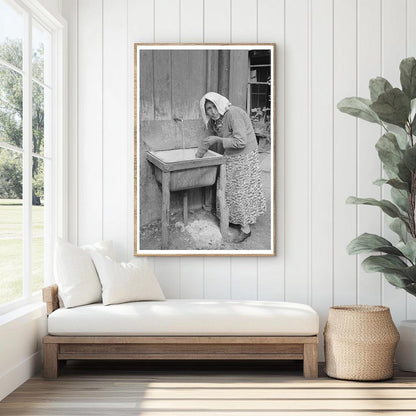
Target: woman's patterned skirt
{"points": [[244, 189]]}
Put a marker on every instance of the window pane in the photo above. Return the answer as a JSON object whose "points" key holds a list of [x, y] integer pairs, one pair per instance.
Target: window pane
{"points": [[11, 106], [38, 118], [11, 34], [41, 46], [38, 230], [11, 226]]}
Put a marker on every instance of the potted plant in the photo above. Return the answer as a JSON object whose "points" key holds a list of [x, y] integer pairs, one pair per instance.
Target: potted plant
{"points": [[394, 109]]}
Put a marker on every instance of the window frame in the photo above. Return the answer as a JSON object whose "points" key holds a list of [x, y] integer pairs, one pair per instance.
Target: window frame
{"points": [[57, 226], [250, 83]]}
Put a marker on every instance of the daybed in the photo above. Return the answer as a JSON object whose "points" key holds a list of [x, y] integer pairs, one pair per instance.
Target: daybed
{"points": [[181, 329]]}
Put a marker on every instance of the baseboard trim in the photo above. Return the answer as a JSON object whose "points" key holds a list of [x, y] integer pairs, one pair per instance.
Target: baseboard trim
{"points": [[10, 380]]}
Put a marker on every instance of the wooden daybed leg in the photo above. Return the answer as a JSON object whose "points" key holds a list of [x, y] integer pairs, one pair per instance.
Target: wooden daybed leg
{"points": [[310, 360], [50, 360]]}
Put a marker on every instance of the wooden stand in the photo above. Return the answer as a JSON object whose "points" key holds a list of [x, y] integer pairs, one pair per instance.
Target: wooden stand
{"points": [[183, 175], [166, 206]]}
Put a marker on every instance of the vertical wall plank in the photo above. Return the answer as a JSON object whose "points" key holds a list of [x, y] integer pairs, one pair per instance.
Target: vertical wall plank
{"points": [[187, 67], [239, 62], [70, 12], [167, 29], [244, 270], [114, 124], [244, 278], [162, 64], [90, 119], [244, 21], [271, 28], [321, 168], [140, 30], [345, 152], [192, 278], [181, 72], [296, 152], [393, 51], [217, 27], [217, 274], [167, 21], [147, 103], [192, 21], [411, 51], [167, 271], [411, 28], [369, 169], [192, 30], [197, 61]]}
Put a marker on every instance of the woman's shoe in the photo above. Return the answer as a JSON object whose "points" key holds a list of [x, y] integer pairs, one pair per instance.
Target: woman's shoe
{"points": [[241, 236]]}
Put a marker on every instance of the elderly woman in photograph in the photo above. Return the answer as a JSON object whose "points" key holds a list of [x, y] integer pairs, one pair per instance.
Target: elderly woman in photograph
{"points": [[231, 127]]}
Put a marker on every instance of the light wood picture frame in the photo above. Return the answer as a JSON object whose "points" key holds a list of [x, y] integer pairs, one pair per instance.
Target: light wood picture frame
{"points": [[223, 203]]}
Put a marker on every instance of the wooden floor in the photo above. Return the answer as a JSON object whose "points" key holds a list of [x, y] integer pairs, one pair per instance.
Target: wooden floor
{"points": [[221, 389]]}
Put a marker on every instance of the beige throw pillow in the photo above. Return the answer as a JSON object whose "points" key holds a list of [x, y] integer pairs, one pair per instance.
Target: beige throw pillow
{"points": [[126, 282]]}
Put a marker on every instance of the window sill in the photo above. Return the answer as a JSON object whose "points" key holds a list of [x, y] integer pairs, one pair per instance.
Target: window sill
{"points": [[34, 307]]}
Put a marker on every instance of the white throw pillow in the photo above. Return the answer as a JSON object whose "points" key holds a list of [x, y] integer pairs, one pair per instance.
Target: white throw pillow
{"points": [[103, 247], [126, 282], [75, 273]]}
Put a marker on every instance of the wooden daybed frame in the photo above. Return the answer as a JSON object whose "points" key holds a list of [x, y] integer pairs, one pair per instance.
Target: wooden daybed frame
{"points": [[58, 349]]}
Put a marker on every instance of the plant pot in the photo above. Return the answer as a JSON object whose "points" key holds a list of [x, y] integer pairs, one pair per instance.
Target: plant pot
{"points": [[360, 341], [406, 349]]}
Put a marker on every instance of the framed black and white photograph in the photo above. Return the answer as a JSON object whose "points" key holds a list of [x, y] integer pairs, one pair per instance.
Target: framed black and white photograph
{"points": [[204, 149]]}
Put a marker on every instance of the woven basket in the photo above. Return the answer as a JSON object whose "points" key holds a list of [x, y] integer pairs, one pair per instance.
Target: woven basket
{"points": [[360, 341]]}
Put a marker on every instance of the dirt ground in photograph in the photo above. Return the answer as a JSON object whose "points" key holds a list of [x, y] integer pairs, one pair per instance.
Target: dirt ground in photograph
{"points": [[202, 231]]}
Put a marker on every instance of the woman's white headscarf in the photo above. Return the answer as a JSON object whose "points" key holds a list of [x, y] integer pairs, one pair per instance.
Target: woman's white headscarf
{"points": [[220, 102]]}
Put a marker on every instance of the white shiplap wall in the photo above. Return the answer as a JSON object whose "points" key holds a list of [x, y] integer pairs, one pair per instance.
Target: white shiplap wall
{"points": [[326, 50]]}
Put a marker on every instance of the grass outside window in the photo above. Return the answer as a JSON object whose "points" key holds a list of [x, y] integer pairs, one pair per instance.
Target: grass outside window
{"points": [[11, 249]]}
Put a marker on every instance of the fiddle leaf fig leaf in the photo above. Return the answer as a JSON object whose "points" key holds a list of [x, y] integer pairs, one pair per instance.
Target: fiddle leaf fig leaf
{"points": [[412, 116], [388, 207], [400, 198], [366, 243], [395, 183], [378, 86], [392, 107], [396, 271], [359, 107], [411, 273], [412, 110], [391, 174], [389, 151], [400, 228], [411, 289], [404, 173], [380, 182], [408, 249], [401, 139], [398, 184], [408, 77], [410, 158], [381, 263], [397, 280]]}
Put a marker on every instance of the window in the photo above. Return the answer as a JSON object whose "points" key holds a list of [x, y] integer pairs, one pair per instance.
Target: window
{"points": [[258, 102], [31, 142]]}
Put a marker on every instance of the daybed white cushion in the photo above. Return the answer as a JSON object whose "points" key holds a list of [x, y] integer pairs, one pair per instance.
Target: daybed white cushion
{"points": [[126, 282], [187, 317], [75, 272]]}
